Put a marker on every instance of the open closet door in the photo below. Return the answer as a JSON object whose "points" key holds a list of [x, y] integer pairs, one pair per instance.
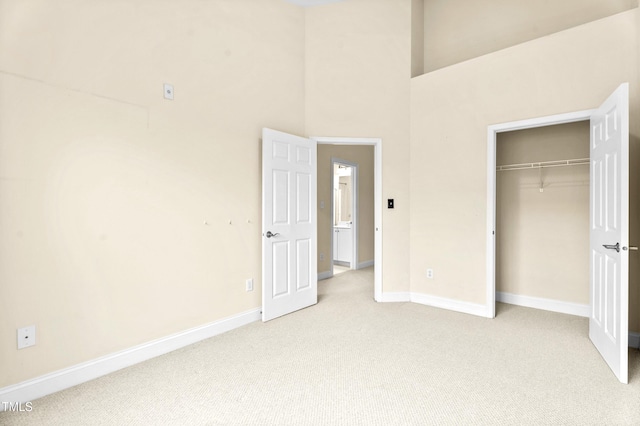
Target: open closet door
{"points": [[289, 231], [609, 234]]}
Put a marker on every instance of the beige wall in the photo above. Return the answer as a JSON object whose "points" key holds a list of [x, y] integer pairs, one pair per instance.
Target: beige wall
{"points": [[363, 156], [542, 238], [458, 30], [358, 67], [105, 186], [450, 110], [417, 37]]}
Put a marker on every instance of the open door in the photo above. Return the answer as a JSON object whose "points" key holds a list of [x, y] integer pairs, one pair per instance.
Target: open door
{"points": [[609, 240], [289, 231]]}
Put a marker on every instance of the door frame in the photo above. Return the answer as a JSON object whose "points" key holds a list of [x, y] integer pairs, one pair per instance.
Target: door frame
{"points": [[492, 134], [354, 212], [377, 199]]}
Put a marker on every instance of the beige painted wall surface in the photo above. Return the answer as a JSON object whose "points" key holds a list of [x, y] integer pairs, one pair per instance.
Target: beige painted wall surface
{"points": [[458, 30], [542, 238], [450, 110], [417, 37], [105, 186], [358, 68], [363, 156]]}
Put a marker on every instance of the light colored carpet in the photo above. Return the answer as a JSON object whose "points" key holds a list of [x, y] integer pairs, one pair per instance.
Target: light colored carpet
{"points": [[352, 361], [339, 269]]}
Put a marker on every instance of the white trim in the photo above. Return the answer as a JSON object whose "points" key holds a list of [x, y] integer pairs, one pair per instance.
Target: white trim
{"points": [[451, 304], [324, 275], [490, 296], [80, 373], [492, 132], [436, 302], [328, 274], [544, 304], [377, 199], [390, 297], [366, 264]]}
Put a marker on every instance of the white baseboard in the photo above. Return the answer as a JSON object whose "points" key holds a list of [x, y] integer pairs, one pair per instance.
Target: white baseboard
{"points": [[324, 275], [327, 274], [401, 296], [436, 302], [80, 373], [365, 264], [556, 306], [544, 304], [450, 304]]}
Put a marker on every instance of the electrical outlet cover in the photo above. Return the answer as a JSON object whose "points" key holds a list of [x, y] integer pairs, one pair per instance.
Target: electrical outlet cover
{"points": [[168, 91], [26, 336]]}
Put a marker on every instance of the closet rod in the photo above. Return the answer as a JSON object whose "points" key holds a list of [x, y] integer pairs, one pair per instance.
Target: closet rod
{"points": [[543, 164]]}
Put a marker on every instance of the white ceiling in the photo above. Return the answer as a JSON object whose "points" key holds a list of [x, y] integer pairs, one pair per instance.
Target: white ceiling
{"points": [[305, 3]]}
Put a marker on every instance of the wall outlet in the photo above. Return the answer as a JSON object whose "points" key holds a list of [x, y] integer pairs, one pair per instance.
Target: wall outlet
{"points": [[321, 257], [430, 273], [249, 284], [168, 91], [26, 336]]}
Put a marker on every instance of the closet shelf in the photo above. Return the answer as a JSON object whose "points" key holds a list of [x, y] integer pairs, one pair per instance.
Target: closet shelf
{"points": [[543, 164]]}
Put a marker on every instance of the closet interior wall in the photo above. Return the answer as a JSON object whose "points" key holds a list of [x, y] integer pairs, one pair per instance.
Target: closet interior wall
{"points": [[542, 214]]}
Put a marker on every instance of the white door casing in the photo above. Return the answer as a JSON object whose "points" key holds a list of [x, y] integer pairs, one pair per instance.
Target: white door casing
{"points": [[492, 133], [289, 224], [609, 227]]}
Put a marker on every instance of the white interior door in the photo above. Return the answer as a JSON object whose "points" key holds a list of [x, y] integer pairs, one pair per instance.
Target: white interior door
{"points": [[609, 242], [289, 231]]}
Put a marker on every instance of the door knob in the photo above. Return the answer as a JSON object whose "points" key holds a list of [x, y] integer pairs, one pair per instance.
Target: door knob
{"points": [[633, 248], [269, 234]]}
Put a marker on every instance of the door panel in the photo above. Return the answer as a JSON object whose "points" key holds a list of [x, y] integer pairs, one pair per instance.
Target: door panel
{"points": [[609, 234], [303, 267], [280, 277], [289, 242]]}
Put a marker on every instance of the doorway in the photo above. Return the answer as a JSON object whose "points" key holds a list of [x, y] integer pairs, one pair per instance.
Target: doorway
{"points": [[608, 223], [491, 187], [542, 218], [324, 204], [344, 216], [290, 219]]}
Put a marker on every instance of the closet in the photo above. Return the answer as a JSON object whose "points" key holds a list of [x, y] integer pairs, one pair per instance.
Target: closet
{"points": [[542, 213]]}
